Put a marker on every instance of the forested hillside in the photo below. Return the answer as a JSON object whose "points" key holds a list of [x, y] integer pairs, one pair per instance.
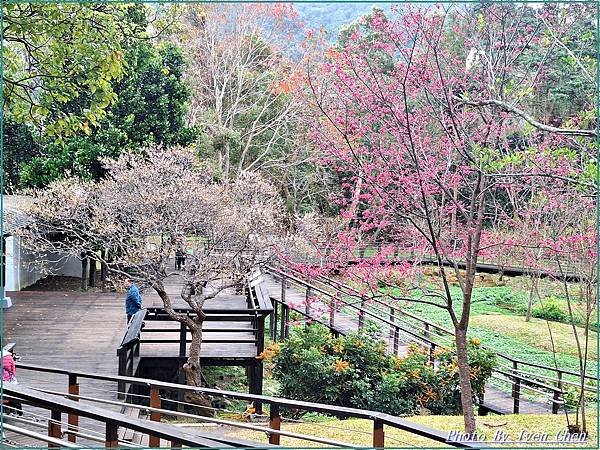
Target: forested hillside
{"points": [[332, 16]]}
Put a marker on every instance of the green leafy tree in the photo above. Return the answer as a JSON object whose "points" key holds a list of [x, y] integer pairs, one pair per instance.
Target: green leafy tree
{"points": [[53, 53], [19, 146], [150, 108]]}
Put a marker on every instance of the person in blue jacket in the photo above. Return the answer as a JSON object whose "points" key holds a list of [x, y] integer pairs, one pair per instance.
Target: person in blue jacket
{"points": [[133, 301]]}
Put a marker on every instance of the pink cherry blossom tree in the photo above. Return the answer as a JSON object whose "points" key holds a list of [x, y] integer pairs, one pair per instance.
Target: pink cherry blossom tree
{"points": [[415, 115]]}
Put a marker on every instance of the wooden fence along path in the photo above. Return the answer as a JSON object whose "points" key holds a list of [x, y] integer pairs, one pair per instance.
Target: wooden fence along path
{"points": [[343, 309], [167, 435]]}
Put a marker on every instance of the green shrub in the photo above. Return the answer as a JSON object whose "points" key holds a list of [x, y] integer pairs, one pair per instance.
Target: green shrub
{"points": [[355, 371], [550, 310]]}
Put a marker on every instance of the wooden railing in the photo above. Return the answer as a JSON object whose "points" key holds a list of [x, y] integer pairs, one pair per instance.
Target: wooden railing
{"points": [[129, 350], [520, 374], [357, 309], [511, 267], [113, 420]]}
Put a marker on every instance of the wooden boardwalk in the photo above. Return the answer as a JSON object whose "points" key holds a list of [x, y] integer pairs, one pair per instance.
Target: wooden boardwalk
{"points": [[213, 329], [497, 400], [81, 331], [72, 330]]}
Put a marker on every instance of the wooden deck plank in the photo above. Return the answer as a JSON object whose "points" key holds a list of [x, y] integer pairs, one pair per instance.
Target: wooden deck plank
{"points": [[82, 331]]}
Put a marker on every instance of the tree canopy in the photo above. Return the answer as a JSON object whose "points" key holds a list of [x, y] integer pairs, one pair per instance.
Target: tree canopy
{"points": [[53, 53]]}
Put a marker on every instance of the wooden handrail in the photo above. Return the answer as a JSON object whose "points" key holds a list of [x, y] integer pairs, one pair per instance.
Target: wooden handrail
{"points": [[231, 423], [295, 277], [353, 306], [114, 419], [495, 266], [38, 436], [447, 331], [386, 419]]}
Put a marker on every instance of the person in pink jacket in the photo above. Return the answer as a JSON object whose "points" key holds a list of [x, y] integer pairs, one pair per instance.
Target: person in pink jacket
{"points": [[9, 375], [9, 370]]}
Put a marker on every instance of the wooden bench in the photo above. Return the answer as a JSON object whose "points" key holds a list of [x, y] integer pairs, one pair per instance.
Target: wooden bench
{"points": [[262, 296]]}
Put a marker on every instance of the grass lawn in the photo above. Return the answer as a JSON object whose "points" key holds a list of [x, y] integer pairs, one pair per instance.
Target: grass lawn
{"points": [[358, 431], [536, 333], [495, 320]]}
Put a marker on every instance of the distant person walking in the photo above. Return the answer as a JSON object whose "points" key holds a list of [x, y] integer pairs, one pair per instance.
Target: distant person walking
{"points": [[179, 259], [133, 301]]}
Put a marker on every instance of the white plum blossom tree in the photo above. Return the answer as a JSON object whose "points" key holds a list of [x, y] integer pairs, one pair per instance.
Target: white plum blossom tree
{"points": [[133, 221]]}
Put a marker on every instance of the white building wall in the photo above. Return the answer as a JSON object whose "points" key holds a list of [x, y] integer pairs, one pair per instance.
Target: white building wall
{"points": [[11, 281], [24, 267]]}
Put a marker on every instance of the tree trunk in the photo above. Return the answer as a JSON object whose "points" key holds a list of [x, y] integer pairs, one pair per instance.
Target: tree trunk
{"points": [[103, 270], [92, 269], [466, 397], [193, 373], [84, 272], [530, 302]]}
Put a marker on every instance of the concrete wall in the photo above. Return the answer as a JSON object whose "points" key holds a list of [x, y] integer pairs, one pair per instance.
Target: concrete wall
{"points": [[69, 266], [24, 267]]}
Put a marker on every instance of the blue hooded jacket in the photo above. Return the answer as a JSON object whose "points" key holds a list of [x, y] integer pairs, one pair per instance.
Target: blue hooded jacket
{"points": [[133, 301]]}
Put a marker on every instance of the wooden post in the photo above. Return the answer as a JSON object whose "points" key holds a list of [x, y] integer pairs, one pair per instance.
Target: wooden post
{"points": [[103, 270], [112, 436], [392, 319], [516, 393], [557, 392], [274, 424], [255, 383], [122, 354], [258, 366], [73, 419], [426, 332], [182, 339], [306, 301], [286, 326], [378, 434], [396, 340], [283, 289], [54, 428], [431, 352], [274, 321], [92, 272], [130, 354], [361, 315], [332, 313], [154, 441]]}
